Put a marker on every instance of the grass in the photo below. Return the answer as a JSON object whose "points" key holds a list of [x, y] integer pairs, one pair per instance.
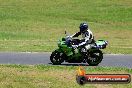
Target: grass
{"points": [[36, 25], [43, 76]]}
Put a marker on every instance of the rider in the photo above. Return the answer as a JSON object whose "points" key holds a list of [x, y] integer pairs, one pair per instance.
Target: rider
{"points": [[87, 36]]}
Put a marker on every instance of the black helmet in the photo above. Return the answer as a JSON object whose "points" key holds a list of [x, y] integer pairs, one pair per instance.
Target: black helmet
{"points": [[83, 27]]}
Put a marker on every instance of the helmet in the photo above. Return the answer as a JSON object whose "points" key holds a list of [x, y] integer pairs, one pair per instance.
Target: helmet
{"points": [[83, 27]]}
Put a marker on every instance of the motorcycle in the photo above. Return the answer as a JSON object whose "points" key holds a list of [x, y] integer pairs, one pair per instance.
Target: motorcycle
{"points": [[66, 52]]}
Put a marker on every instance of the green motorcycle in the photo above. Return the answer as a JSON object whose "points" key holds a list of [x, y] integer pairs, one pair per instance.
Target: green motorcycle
{"points": [[65, 52]]}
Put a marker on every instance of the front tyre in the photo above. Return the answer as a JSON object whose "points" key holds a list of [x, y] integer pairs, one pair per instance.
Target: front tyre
{"points": [[95, 57], [56, 58]]}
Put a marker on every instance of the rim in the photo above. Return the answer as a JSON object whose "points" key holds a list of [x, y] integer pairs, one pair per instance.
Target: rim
{"points": [[56, 58], [95, 58]]}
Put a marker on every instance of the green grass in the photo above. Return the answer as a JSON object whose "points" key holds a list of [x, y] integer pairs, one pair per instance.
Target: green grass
{"points": [[36, 25], [43, 76]]}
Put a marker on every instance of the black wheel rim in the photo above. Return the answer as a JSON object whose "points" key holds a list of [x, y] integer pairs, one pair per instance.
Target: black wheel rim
{"points": [[95, 58], [56, 58]]}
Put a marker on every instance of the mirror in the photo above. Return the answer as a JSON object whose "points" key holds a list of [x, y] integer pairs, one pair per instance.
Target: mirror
{"points": [[65, 31]]}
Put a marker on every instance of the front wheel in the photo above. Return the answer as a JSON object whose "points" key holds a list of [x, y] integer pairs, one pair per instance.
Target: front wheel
{"points": [[95, 57], [56, 58]]}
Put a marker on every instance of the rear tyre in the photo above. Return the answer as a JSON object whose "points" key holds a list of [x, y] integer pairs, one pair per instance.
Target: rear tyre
{"points": [[56, 58], [95, 57]]}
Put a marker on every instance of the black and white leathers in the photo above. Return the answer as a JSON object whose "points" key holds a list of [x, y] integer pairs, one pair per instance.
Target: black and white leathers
{"points": [[87, 36]]}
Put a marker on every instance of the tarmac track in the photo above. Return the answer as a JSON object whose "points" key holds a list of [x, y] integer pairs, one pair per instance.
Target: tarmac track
{"points": [[118, 60]]}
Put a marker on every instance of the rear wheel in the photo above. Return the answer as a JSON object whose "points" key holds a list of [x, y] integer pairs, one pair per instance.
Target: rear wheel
{"points": [[56, 58], [95, 57]]}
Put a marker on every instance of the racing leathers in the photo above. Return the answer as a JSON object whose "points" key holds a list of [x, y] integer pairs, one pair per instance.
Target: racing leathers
{"points": [[87, 39]]}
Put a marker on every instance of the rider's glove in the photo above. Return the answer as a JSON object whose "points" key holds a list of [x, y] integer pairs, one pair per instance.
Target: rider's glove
{"points": [[71, 36], [74, 46]]}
